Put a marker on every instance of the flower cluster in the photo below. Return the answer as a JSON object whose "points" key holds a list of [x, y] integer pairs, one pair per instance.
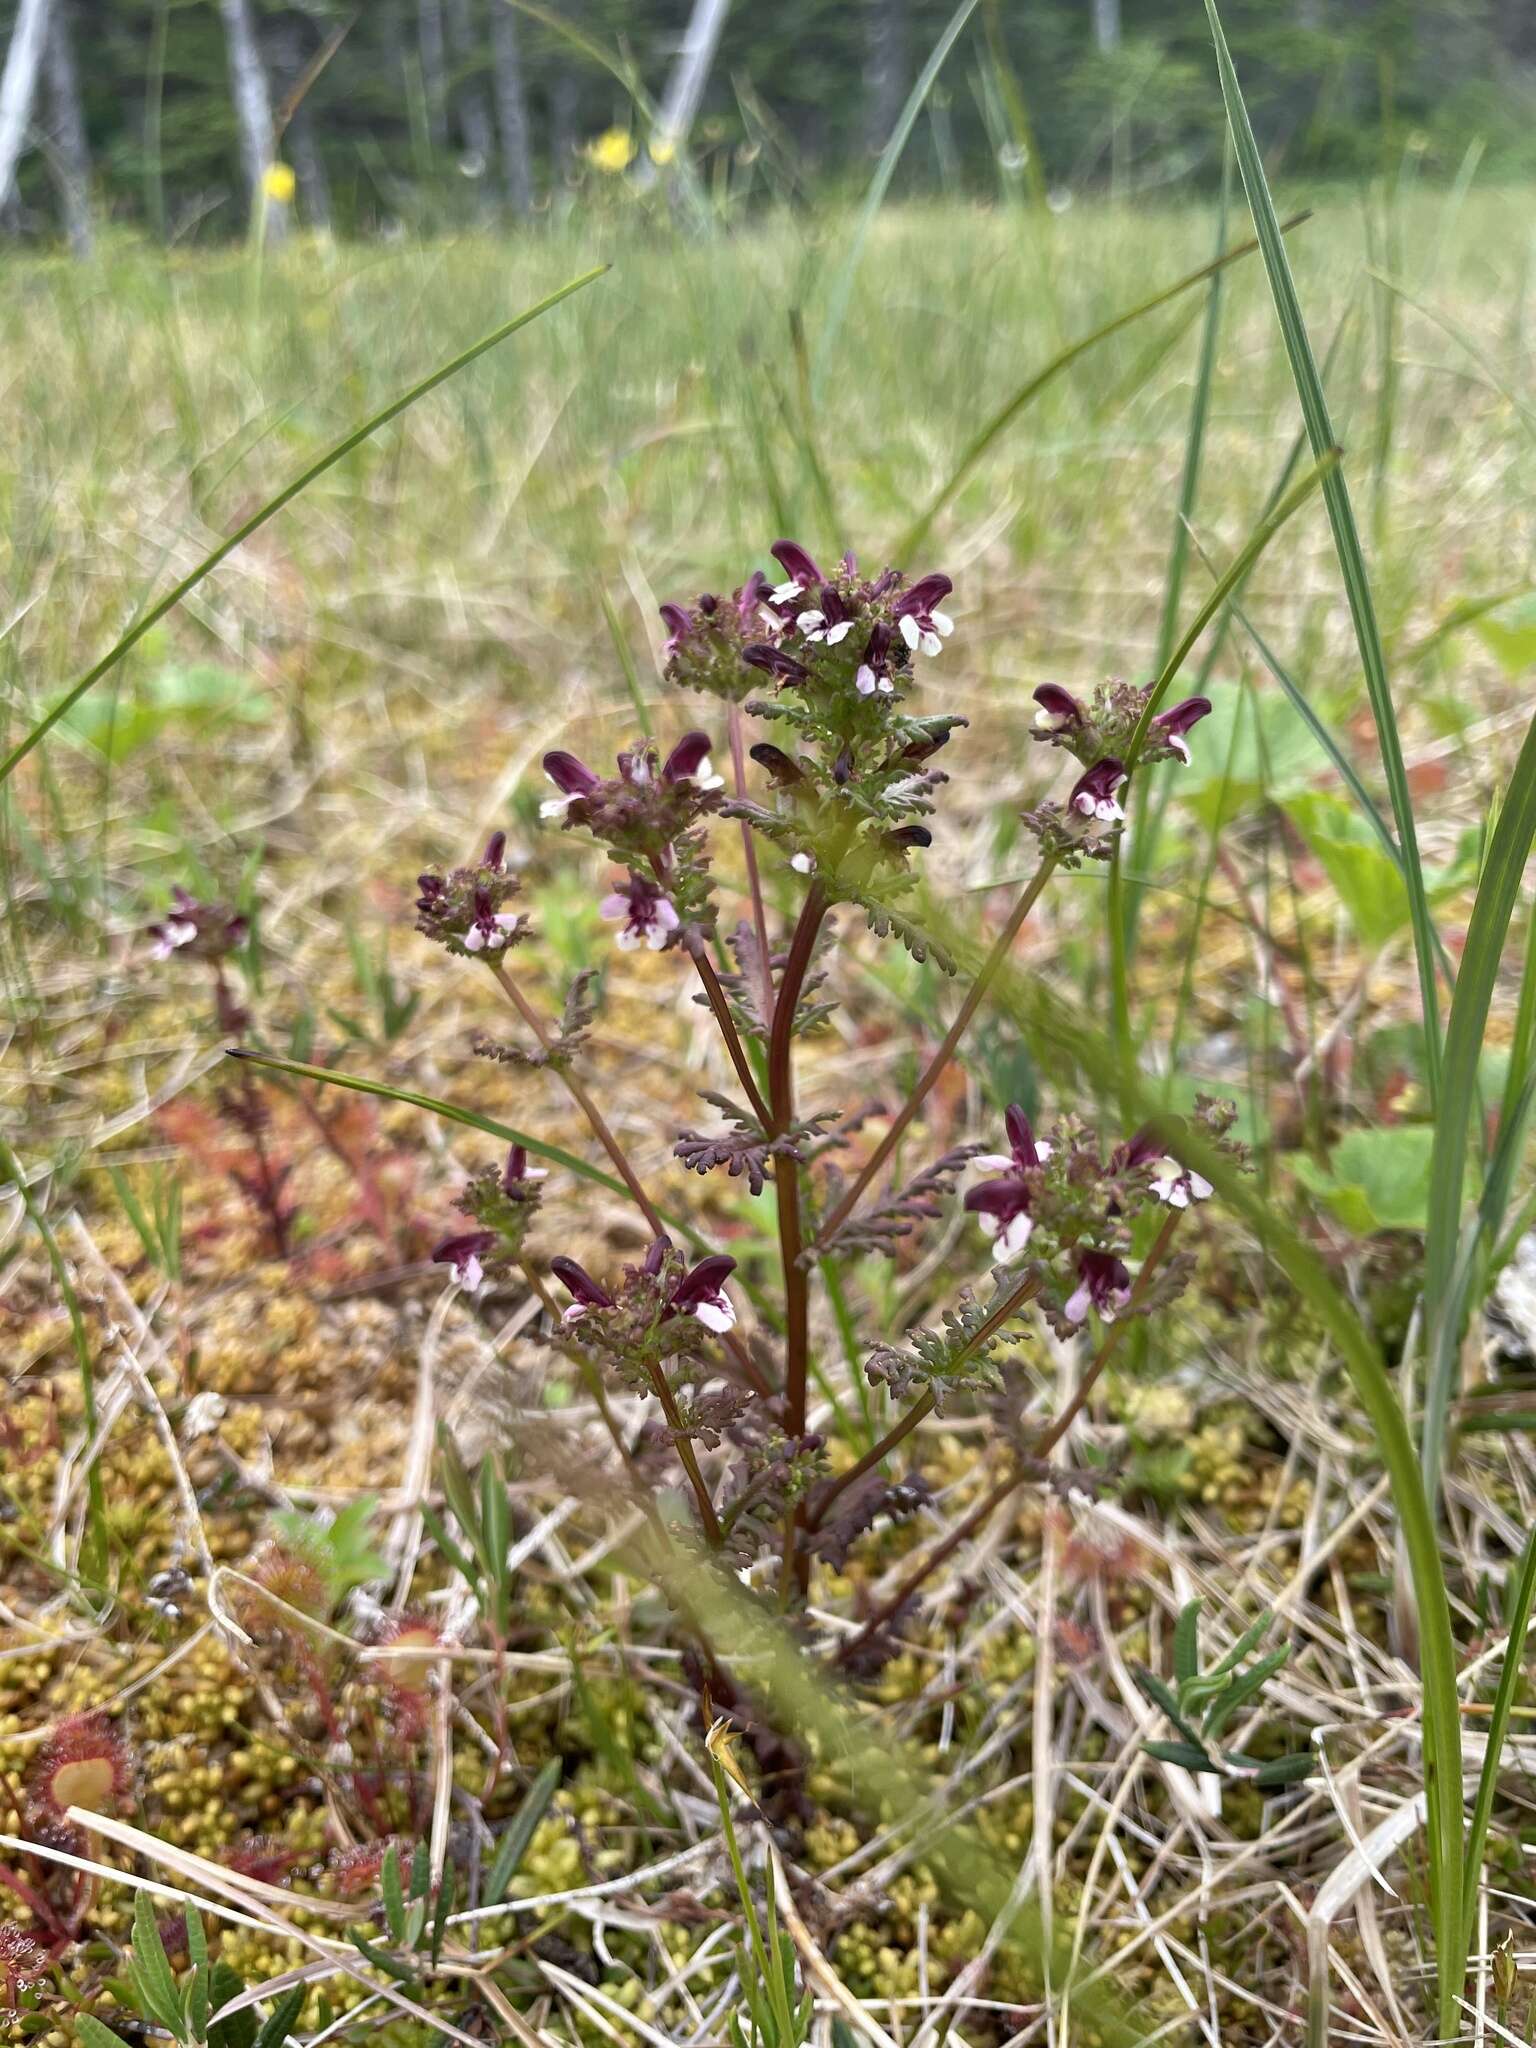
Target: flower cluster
{"points": [[503, 1205], [1061, 1201], [663, 1308], [464, 910], [1101, 734], [842, 651], [646, 816], [203, 931]]}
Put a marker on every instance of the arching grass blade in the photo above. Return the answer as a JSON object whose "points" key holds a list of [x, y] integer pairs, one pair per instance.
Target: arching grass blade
{"points": [[1346, 535], [285, 496]]}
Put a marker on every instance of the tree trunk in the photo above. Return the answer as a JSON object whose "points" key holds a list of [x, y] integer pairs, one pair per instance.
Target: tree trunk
{"points": [[511, 108], [886, 67], [1106, 25], [253, 112], [300, 144], [434, 70], [470, 103], [67, 119], [564, 96], [18, 88], [685, 88]]}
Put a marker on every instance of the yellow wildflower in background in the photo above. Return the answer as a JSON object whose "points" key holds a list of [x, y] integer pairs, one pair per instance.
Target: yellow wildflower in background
{"points": [[279, 183], [662, 150], [613, 150]]}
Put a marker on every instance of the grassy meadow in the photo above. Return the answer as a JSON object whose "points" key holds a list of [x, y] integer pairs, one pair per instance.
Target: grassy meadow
{"points": [[366, 688]]}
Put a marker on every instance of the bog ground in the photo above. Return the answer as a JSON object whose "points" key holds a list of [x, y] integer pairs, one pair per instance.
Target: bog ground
{"points": [[256, 1443]]}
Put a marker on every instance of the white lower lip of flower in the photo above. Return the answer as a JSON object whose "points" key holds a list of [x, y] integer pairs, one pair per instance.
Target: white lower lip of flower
{"points": [[1180, 747], [574, 1313], [942, 623], [781, 593], [911, 631], [1076, 1310], [864, 680], [993, 1162], [1199, 1187], [471, 1273], [809, 621], [555, 806], [716, 1313], [474, 939], [990, 1224], [802, 863], [1013, 1237], [839, 632]]}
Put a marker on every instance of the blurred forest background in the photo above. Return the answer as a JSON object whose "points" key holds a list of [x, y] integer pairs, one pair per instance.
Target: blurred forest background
{"points": [[170, 115]]}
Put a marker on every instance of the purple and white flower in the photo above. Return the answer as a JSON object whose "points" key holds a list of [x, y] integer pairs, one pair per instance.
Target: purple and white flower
{"points": [[1094, 793], [466, 1253], [213, 928], [583, 1289], [1173, 724], [701, 1294], [649, 914], [517, 1173], [1179, 1187], [169, 936], [829, 622], [1103, 1283], [921, 624], [1059, 710], [801, 573], [492, 929], [689, 762], [573, 778], [874, 671], [1002, 1205]]}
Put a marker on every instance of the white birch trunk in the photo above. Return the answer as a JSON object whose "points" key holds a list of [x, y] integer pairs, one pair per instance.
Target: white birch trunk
{"points": [[253, 112], [685, 88], [67, 120], [18, 88], [511, 108], [1106, 24]]}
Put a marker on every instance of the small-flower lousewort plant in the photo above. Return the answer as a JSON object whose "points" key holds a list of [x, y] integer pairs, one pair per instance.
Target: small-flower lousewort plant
{"points": [[837, 669]]}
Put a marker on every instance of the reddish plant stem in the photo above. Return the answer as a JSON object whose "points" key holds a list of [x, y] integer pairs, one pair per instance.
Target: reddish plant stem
{"points": [[786, 1180], [923, 1406], [896, 1434], [719, 1003], [1040, 1450], [990, 970], [909, 1586], [781, 1097], [749, 855]]}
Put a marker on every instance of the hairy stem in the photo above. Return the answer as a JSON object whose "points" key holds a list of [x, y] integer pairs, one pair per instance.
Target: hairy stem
{"points": [[781, 1097], [897, 1433], [990, 970], [733, 1045], [923, 1406], [786, 1180]]}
